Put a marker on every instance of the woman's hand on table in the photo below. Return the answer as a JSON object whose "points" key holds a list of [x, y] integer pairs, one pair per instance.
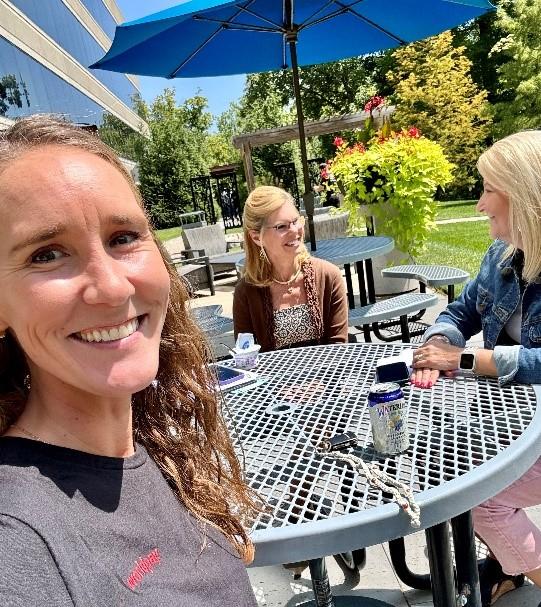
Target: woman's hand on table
{"points": [[433, 358]]}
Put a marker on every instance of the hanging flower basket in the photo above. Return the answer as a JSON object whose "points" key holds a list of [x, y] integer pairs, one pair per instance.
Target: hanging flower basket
{"points": [[393, 178]]}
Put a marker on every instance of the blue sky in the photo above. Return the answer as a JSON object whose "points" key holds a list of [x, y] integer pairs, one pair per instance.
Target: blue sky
{"points": [[219, 91]]}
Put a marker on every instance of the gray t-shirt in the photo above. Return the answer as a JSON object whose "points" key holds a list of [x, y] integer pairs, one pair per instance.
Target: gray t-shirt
{"points": [[91, 531]]}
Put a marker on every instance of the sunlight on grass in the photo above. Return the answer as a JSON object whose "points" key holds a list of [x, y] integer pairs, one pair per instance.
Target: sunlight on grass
{"points": [[460, 245], [168, 233], [456, 209]]}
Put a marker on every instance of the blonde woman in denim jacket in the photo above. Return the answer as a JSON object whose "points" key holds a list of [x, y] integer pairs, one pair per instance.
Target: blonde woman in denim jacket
{"points": [[504, 302]]}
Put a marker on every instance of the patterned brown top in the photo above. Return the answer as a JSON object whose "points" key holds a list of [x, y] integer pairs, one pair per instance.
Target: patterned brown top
{"points": [[294, 325]]}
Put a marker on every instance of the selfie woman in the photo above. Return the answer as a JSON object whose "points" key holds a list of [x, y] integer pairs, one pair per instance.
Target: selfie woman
{"points": [[118, 481]]}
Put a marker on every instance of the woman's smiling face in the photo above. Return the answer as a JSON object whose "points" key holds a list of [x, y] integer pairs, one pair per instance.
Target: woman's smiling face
{"points": [[495, 204], [84, 287]]}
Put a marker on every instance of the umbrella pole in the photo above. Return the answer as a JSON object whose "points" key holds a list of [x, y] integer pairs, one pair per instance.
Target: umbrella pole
{"points": [[308, 196]]}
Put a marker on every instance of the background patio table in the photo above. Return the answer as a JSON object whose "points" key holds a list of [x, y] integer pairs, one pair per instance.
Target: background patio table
{"points": [[470, 438], [359, 250]]}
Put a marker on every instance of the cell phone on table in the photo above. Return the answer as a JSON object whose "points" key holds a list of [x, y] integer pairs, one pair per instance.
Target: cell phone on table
{"points": [[227, 375], [228, 378], [392, 371]]}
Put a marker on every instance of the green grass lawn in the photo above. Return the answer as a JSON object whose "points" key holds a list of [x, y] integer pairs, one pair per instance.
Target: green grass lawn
{"points": [[168, 233], [456, 209], [460, 245]]}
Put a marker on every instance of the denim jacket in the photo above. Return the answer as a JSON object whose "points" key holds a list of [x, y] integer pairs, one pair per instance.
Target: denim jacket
{"points": [[486, 304]]}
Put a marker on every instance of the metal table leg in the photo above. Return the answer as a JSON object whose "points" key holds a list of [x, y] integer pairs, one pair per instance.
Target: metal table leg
{"points": [[370, 281], [362, 296], [397, 552], [349, 286], [467, 573], [323, 595], [441, 566]]}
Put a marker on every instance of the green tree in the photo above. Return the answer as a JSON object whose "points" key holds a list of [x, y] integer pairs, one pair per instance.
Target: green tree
{"points": [[173, 154], [478, 37], [329, 89], [257, 113], [12, 93], [126, 141], [520, 75], [435, 92], [220, 148]]}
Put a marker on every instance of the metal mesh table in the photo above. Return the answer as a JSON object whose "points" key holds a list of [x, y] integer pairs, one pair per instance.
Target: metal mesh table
{"points": [[459, 431]]}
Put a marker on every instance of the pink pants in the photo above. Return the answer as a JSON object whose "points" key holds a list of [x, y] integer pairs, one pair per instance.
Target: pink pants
{"points": [[503, 525]]}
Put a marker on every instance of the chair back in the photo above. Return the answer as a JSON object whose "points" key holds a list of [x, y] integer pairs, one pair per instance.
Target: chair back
{"points": [[211, 238]]}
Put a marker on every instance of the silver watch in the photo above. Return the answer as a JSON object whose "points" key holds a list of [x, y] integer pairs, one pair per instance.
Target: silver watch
{"points": [[467, 361]]}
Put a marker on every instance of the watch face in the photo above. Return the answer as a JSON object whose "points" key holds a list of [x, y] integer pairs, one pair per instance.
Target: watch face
{"points": [[467, 361]]}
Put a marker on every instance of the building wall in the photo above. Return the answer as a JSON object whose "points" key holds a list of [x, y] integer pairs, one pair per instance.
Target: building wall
{"points": [[45, 47]]}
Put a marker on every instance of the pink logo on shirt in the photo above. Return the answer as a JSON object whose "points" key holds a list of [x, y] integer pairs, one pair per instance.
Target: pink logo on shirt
{"points": [[144, 565]]}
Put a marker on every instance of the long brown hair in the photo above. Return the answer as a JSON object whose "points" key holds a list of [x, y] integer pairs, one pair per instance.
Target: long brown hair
{"points": [[178, 420]]}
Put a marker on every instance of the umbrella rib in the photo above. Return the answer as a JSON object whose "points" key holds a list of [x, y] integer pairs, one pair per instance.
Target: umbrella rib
{"points": [[225, 25], [278, 26], [308, 22], [372, 23], [348, 9], [203, 44], [192, 55]]}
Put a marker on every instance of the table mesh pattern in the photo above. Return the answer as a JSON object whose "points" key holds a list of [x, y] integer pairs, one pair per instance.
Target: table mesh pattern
{"points": [[387, 309], [216, 326], [348, 250], [311, 393], [429, 274]]}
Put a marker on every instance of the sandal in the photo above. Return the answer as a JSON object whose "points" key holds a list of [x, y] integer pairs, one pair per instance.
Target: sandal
{"points": [[494, 583]]}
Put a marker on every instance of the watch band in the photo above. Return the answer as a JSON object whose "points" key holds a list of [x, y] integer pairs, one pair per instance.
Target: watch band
{"points": [[467, 361]]}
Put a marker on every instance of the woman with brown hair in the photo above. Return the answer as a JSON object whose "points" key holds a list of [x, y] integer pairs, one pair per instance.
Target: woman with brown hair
{"points": [[118, 481], [285, 298]]}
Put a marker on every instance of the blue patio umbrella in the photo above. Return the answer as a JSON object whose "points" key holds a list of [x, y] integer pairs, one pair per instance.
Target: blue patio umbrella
{"points": [[215, 38]]}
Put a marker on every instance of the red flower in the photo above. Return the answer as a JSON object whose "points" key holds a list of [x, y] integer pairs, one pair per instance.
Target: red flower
{"points": [[359, 147], [338, 142], [373, 103], [414, 132]]}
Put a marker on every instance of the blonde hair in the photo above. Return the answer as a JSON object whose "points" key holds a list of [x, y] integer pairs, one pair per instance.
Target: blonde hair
{"points": [[513, 166], [260, 204], [178, 421]]}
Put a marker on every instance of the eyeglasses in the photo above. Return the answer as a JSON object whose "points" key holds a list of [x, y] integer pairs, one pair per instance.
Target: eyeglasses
{"points": [[284, 226]]}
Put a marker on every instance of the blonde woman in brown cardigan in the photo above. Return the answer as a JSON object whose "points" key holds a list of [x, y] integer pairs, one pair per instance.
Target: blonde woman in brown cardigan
{"points": [[285, 298]]}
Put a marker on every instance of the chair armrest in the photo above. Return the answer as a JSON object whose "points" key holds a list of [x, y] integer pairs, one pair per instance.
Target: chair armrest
{"points": [[192, 253], [204, 260], [234, 243]]}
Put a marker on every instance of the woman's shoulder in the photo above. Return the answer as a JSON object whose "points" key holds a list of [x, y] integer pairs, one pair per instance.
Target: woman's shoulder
{"points": [[324, 268], [243, 287]]}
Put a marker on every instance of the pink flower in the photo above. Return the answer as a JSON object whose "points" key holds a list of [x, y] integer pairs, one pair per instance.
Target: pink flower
{"points": [[414, 132], [338, 142], [359, 147], [373, 103]]}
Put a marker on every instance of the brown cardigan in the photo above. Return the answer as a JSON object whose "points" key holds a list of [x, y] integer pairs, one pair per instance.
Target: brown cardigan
{"points": [[252, 306]]}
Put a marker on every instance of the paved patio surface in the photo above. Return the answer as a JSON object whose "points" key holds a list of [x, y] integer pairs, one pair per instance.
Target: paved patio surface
{"points": [[275, 587]]}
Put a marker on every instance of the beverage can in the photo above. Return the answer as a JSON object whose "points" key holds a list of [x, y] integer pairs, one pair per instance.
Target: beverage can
{"points": [[388, 417]]}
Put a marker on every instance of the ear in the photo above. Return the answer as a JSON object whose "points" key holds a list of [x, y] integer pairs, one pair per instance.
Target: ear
{"points": [[256, 237]]}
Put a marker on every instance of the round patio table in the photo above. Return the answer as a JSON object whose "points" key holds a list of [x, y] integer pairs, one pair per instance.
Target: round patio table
{"points": [[359, 250], [470, 438]]}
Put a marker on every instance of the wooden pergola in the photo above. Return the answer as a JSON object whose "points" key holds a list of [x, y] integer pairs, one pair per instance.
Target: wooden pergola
{"points": [[245, 143]]}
